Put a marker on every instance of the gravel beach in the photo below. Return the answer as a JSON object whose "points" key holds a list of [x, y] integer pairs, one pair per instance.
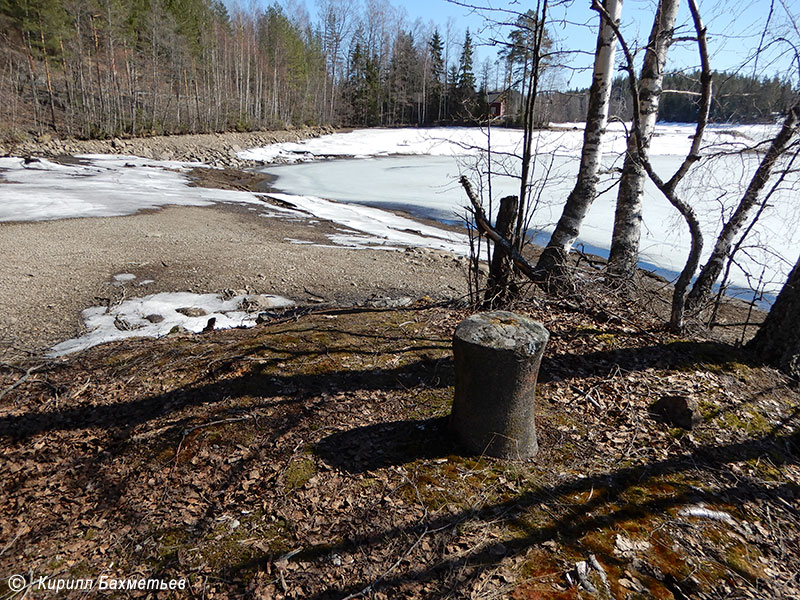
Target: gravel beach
{"points": [[52, 270]]}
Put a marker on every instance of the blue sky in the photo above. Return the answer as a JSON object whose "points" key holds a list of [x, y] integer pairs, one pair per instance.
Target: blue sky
{"points": [[734, 31], [734, 27]]}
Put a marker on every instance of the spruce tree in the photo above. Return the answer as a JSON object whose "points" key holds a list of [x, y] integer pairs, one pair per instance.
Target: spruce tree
{"points": [[465, 84]]}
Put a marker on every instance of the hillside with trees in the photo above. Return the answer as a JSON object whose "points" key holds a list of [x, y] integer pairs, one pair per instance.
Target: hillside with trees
{"points": [[104, 68], [91, 68]]}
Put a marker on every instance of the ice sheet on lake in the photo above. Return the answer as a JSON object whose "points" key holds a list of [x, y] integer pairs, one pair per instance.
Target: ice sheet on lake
{"points": [[427, 186], [105, 186], [109, 185], [384, 229], [564, 139], [129, 319]]}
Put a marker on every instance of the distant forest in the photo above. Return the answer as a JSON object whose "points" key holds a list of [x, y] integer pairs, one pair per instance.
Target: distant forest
{"points": [[101, 68]]}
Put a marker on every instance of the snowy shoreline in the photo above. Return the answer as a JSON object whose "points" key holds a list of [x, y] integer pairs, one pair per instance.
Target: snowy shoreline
{"points": [[116, 185], [397, 169]]}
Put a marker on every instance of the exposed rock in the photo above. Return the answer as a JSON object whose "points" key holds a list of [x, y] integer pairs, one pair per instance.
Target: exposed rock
{"points": [[123, 325], [154, 318], [178, 330], [215, 149], [257, 303], [677, 410], [191, 311], [390, 302]]}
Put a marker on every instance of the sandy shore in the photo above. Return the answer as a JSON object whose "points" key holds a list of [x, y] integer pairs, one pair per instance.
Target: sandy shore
{"points": [[53, 270]]}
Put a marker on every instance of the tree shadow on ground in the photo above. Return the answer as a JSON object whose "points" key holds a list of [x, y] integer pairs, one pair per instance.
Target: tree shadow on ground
{"points": [[673, 355], [283, 389], [386, 444], [609, 506]]}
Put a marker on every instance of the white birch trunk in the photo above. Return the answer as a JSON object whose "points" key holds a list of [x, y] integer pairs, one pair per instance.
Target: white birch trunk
{"points": [[624, 253], [583, 194]]}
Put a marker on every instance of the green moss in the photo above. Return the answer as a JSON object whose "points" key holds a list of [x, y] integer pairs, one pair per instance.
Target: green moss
{"points": [[744, 560], [713, 357], [170, 542], [228, 550], [677, 432], [708, 410], [607, 338], [298, 473], [766, 469], [432, 402], [748, 421]]}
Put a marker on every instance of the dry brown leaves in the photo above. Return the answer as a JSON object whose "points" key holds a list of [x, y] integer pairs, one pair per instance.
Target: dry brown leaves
{"points": [[309, 458]]}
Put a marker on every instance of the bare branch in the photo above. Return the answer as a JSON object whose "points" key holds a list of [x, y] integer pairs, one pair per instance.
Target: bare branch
{"points": [[483, 223]]}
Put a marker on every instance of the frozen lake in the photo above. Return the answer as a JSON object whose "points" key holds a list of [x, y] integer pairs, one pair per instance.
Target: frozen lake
{"points": [[427, 186]]}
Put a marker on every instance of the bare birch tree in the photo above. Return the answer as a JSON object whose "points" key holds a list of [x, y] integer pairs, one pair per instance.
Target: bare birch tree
{"points": [[669, 187], [703, 285], [583, 194], [624, 252]]}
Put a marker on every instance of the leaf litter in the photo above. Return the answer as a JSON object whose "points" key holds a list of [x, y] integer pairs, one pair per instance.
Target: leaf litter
{"points": [[309, 458]]}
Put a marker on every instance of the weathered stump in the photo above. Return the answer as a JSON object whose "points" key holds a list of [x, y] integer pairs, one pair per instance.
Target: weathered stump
{"points": [[497, 356], [500, 284]]}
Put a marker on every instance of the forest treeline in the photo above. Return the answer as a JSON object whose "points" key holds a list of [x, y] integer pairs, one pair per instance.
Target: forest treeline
{"points": [[97, 68], [101, 68]]}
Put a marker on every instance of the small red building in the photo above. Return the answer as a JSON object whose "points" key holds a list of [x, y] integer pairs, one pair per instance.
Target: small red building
{"points": [[496, 103]]}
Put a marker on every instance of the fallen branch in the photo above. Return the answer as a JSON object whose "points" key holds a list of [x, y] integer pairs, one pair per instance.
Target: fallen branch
{"points": [[19, 381], [483, 224]]}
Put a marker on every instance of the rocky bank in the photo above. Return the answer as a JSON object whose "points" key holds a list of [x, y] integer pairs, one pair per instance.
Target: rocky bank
{"points": [[214, 149]]}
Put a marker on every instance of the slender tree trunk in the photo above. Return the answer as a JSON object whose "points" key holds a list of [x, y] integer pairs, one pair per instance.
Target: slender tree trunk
{"points": [[100, 88], [693, 260], [624, 253], [778, 340], [32, 73], [585, 190], [710, 272], [528, 126], [68, 84], [48, 78]]}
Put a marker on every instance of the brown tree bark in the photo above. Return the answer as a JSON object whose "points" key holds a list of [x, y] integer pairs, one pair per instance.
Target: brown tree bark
{"points": [[778, 340], [500, 286]]}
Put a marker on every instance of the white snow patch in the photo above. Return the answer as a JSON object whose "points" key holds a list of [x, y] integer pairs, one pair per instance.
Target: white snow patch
{"points": [[106, 186], [121, 185], [564, 139], [384, 229], [124, 277], [128, 319]]}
